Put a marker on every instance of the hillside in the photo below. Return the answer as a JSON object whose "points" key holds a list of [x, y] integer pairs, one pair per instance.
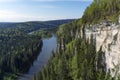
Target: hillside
{"points": [[102, 10], [81, 54], [18, 48], [35, 25]]}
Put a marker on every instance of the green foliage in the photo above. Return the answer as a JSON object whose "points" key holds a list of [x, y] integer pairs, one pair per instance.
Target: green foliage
{"points": [[78, 62], [43, 33], [68, 30], [102, 9], [34, 25], [18, 50]]}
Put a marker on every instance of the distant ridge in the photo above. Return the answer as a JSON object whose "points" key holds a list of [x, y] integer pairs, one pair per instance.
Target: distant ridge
{"points": [[52, 22]]}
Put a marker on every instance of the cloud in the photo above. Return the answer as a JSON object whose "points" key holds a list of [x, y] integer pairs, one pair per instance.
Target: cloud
{"points": [[11, 16], [1, 1], [47, 6], [64, 0]]}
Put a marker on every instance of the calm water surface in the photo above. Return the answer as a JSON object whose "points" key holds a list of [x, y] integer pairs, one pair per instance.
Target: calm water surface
{"points": [[49, 45]]}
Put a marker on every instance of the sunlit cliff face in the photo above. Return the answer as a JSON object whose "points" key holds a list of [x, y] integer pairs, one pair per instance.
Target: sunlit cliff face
{"points": [[109, 38]]}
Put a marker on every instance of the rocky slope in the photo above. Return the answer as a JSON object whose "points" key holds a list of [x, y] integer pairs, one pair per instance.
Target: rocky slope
{"points": [[107, 36]]}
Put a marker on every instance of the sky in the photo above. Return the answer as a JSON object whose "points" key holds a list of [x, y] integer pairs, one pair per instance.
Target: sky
{"points": [[41, 10]]}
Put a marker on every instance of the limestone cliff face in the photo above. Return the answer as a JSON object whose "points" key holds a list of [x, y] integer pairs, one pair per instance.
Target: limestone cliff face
{"points": [[107, 36]]}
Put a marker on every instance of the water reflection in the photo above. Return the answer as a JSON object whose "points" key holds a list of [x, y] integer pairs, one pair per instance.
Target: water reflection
{"points": [[49, 44]]}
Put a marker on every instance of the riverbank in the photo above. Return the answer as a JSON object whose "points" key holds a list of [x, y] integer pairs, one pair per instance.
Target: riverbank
{"points": [[49, 45]]}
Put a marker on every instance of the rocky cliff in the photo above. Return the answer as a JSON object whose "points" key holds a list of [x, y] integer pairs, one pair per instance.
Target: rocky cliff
{"points": [[107, 36]]}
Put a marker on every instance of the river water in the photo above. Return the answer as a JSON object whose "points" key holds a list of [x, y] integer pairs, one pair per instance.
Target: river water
{"points": [[49, 45]]}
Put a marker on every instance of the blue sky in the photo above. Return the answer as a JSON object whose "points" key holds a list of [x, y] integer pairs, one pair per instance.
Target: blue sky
{"points": [[41, 10]]}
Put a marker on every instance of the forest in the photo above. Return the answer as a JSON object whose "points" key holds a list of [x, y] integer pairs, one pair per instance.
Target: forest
{"points": [[34, 25], [102, 10], [20, 43], [76, 57], [17, 51]]}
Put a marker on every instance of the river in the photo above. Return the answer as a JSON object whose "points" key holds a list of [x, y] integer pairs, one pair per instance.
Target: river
{"points": [[49, 45]]}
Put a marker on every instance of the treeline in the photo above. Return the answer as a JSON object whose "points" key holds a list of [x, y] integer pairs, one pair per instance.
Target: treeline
{"points": [[35, 25], [77, 62], [19, 48], [76, 57], [17, 51], [100, 10]]}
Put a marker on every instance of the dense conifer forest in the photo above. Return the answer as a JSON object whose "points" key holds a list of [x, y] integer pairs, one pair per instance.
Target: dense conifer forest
{"points": [[17, 51], [20, 43], [102, 10], [76, 57]]}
